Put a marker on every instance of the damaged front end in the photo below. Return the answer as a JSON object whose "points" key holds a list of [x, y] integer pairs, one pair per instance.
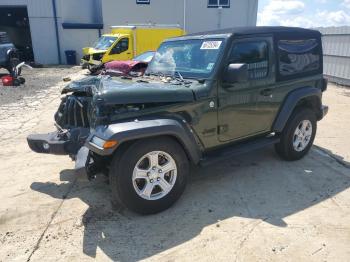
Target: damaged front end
{"points": [[72, 121], [99, 101]]}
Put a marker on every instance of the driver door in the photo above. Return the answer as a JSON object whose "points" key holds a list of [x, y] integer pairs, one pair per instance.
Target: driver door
{"points": [[121, 50], [239, 115]]}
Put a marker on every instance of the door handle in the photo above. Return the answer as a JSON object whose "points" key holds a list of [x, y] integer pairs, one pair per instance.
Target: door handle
{"points": [[266, 92]]}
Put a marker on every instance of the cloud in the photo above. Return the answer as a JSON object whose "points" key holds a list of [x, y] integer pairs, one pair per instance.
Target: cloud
{"points": [[336, 18], [294, 13], [273, 12], [346, 3]]}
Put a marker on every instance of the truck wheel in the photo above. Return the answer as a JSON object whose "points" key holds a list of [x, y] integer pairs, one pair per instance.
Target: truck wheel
{"points": [[150, 175], [298, 135]]}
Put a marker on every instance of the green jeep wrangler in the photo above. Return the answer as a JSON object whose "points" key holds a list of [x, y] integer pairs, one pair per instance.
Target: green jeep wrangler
{"points": [[204, 97]]}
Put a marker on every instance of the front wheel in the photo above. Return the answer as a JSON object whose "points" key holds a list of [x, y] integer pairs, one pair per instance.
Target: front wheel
{"points": [[150, 175], [298, 135]]}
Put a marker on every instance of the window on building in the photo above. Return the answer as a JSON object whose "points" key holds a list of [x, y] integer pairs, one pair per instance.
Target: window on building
{"points": [[298, 57], [255, 55], [219, 3], [143, 2], [121, 46]]}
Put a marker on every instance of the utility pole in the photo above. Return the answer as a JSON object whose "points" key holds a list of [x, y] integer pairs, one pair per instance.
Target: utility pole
{"points": [[219, 16], [184, 10]]}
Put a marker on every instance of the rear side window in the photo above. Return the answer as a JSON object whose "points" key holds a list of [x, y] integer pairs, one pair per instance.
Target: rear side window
{"points": [[255, 55], [298, 57]]}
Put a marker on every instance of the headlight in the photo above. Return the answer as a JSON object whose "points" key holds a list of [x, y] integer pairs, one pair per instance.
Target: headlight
{"points": [[101, 143], [98, 141]]}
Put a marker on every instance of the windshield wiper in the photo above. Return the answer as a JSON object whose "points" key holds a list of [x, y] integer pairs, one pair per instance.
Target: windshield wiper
{"points": [[160, 74], [142, 81], [180, 76]]}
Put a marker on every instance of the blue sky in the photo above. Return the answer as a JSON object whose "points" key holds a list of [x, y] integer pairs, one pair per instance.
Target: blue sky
{"points": [[308, 13]]}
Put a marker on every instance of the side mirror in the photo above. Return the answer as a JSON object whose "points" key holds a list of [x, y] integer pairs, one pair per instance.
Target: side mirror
{"points": [[236, 73]]}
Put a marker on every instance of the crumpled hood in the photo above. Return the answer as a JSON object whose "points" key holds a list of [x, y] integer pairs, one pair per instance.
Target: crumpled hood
{"points": [[91, 51], [115, 91], [108, 90]]}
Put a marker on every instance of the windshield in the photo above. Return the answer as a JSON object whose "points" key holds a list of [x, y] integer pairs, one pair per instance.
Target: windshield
{"points": [[191, 58], [105, 42], [145, 57]]}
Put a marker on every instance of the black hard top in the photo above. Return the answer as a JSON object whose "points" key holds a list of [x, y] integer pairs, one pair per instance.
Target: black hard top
{"points": [[257, 30]]}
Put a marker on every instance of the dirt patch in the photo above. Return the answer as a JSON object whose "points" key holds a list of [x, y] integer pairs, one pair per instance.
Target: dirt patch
{"points": [[254, 207]]}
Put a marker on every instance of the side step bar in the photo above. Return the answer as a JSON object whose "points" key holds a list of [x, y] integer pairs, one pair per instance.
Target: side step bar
{"points": [[237, 149]]}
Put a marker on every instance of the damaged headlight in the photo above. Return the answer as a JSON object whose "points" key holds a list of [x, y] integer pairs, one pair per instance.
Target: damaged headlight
{"points": [[103, 144], [97, 141]]}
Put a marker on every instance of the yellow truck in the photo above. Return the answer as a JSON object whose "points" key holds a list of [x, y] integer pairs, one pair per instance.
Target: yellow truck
{"points": [[126, 42]]}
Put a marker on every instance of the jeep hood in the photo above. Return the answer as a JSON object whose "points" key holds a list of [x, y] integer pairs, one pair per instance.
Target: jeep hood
{"points": [[112, 91]]}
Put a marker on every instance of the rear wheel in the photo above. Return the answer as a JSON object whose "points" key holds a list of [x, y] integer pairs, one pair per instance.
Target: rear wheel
{"points": [[150, 175], [298, 135]]}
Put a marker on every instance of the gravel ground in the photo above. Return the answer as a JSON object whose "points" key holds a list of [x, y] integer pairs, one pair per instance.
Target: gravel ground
{"points": [[254, 207], [37, 80]]}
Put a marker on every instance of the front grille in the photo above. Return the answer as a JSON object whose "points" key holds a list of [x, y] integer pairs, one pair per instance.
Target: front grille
{"points": [[73, 112]]}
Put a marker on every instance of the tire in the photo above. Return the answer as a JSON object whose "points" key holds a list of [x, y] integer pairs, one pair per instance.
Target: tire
{"points": [[16, 82], [22, 80], [293, 146], [128, 191]]}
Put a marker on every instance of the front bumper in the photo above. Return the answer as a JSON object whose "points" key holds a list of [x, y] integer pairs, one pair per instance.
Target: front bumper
{"points": [[51, 143], [89, 63], [95, 62], [70, 143], [82, 161], [58, 142], [84, 63]]}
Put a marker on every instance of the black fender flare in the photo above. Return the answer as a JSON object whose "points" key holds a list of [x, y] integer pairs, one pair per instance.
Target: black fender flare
{"points": [[138, 129], [291, 102]]}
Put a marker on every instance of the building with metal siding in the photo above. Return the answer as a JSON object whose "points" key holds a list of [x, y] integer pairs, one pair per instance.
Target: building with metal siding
{"points": [[192, 15], [58, 25], [336, 48], [49, 42]]}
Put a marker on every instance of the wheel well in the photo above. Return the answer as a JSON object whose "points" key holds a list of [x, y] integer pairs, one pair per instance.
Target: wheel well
{"points": [[123, 146], [12, 54], [311, 102]]}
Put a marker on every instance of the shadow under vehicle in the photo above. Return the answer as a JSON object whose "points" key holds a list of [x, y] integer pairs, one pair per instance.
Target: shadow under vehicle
{"points": [[236, 195]]}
